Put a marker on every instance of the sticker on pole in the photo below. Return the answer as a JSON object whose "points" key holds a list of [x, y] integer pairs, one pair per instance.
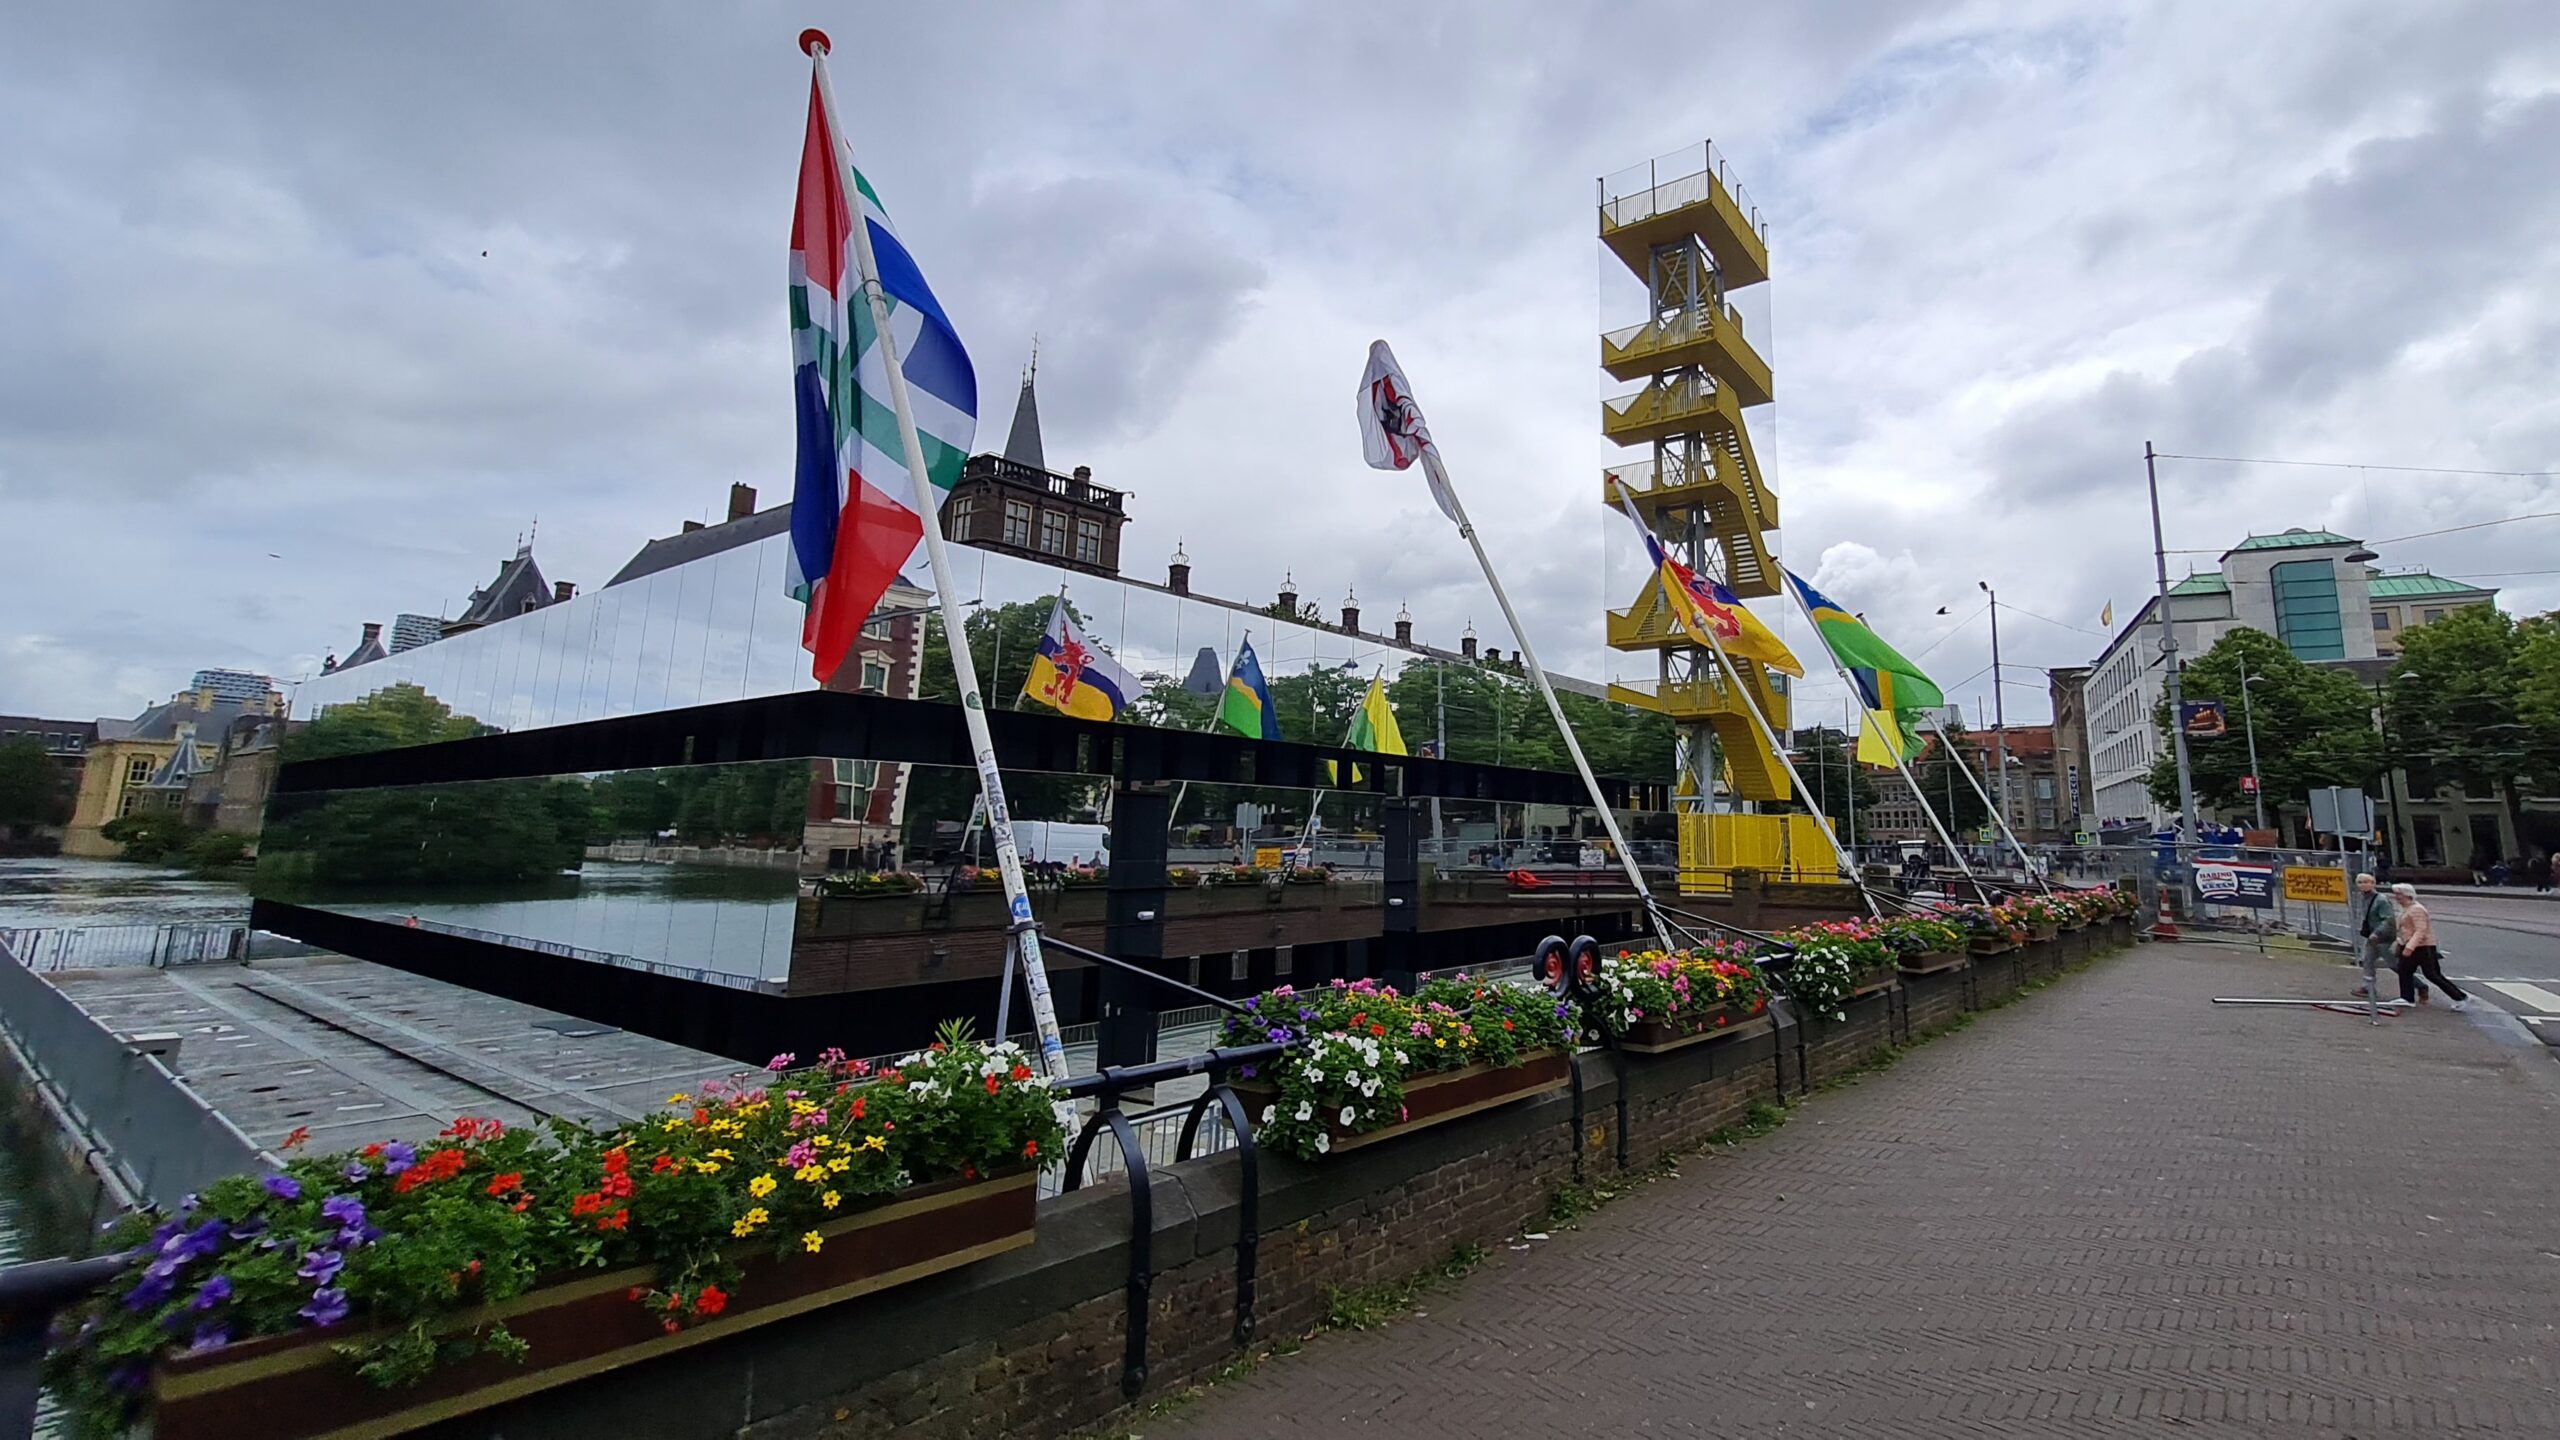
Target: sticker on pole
{"points": [[2317, 884], [2235, 882]]}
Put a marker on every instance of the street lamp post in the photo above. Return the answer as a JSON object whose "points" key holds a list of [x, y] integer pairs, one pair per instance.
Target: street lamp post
{"points": [[1999, 711], [2248, 722], [2169, 661]]}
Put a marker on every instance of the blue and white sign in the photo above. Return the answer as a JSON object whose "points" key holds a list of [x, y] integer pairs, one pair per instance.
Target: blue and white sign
{"points": [[2235, 882]]}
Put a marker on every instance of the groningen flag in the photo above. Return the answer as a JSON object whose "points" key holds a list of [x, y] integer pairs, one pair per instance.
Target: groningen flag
{"points": [[1246, 707], [1702, 606], [1888, 684], [1072, 675], [853, 508]]}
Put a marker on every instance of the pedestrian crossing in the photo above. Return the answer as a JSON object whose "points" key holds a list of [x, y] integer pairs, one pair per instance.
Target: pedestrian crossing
{"points": [[2534, 999]]}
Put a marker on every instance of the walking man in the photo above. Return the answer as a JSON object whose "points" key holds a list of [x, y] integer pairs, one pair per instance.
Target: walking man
{"points": [[2378, 929], [2418, 950]]}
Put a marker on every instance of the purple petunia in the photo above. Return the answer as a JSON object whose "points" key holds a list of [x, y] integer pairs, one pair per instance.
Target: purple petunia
{"points": [[345, 1209], [327, 1307], [1282, 1035], [356, 1173], [211, 1293], [249, 1229], [321, 1266], [209, 1336], [153, 1291], [283, 1187], [397, 1157]]}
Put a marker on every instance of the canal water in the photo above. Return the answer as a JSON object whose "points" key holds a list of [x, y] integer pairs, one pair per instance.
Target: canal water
{"points": [[60, 891]]}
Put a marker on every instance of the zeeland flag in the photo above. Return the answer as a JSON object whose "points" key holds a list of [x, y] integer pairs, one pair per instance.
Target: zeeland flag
{"points": [[1073, 676], [1704, 607], [1893, 689], [1392, 435], [854, 520]]}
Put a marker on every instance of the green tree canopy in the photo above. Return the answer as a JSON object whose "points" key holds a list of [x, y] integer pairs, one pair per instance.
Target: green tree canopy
{"points": [[2314, 726], [32, 788], [2458, 704], [394, 716]]}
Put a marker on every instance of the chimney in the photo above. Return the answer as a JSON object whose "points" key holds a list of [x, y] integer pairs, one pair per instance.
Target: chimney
{"points": [[1351, 612], [1289, 595], [742, 502], [563, 589], [1492, 656], [1177, 576], [690, 526], [372, 631], [1084, 474], [1467, 642], [1404, 625]]}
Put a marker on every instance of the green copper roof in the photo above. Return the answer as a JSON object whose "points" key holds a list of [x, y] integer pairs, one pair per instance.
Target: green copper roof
{"points": [[2208, 583], [2289, 540], [2412, 587]]}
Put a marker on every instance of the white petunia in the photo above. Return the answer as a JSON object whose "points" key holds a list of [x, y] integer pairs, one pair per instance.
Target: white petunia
{"points": [[1306, 1111], [1269, 1112], [1349, 1115], [1315, 1077], [1324, 1142]]}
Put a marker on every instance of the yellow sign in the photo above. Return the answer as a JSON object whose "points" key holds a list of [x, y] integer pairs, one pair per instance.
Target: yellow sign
{"points": [[2319, 884], [1266, 857]]}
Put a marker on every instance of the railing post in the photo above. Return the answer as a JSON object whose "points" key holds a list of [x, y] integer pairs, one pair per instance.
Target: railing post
{"points": [[1399, 936], [1133, 919]]}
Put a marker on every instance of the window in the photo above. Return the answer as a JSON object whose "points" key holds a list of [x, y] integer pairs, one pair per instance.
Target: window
{"points": [[854, 780], [964, 513], [875, 628], [2307, 621], [137, 771], [2381, 619], [1053, 533], [2044, 788], [1089, 542], [875, 675], [2431, 617], [1017, 523]]}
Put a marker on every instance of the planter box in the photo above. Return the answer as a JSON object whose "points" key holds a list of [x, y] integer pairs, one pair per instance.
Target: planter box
{"points": [[288, 1387], [2042, 932], [1652, 1037], [1445, 1096], [1989, 945], [1876, 984], [1933, 962]]}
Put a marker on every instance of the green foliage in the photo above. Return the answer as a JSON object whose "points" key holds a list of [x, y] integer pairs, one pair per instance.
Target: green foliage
{"points": [[394, 716], [1366, 1307], [214, 850], [398, 1243], [32, 788], [2314, 726], [1002, 640], [1828, 763], [150, 836], [2475, 701], [1950, 794], [484, 831]]}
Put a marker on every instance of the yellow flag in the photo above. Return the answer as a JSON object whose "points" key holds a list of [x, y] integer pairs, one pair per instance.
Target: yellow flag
{"points": [[1880, 740]]}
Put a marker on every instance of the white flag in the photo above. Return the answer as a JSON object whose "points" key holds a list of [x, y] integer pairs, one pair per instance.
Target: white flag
{"points": [[1392, 434]]}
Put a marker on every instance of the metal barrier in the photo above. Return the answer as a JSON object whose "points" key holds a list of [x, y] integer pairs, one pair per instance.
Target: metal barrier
{"points": [[100, 947], [159, 1137]]}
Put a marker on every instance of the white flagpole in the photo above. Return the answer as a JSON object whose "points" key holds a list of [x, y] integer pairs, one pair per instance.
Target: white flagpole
{"points": [[1890, 748], [973, 705], [1993, 809], [1555, 707]]}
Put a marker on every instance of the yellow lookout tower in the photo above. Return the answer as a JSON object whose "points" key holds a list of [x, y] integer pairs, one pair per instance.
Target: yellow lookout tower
{"points": [[1692, 236]]}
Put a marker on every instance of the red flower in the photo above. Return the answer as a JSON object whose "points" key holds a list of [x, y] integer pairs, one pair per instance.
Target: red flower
{"points": [[521, 1202], [857, 1107], [617, 1185], [1021, 1072], [994, 1084], [1030, 1149], [301, 1136], [661, 1165], [711, 1301], [500, 1185], [586, 1204], [618, 1220], [670, 1326], [617, 1160], [634, 1293], [437, 1165], [372, 1151], [701, 1116], [968, 1172]]}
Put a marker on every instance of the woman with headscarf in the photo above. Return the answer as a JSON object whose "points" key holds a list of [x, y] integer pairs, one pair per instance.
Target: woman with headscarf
{"points": [[2417, 946]]}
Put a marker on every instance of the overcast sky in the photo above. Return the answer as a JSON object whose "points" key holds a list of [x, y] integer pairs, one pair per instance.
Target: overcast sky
{"points": [[307, 312]]}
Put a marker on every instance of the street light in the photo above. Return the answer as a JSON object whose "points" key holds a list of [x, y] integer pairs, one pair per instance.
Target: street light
{"points": [[2248, 722]]}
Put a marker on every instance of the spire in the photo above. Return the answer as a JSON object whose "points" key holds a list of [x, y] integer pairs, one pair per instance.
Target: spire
{"points": [[1022, 443]]}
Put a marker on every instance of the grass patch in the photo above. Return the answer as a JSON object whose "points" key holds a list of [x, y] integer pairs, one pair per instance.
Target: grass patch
{"points": [[1366, 1307]]}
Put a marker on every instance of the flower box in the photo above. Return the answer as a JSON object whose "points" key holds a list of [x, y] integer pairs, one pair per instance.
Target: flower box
{"points": [[291, 1386], [1876, 984], [1431, 1099], [1933, 962], [1990, 945], [1719, 1022], [2042, 932]]}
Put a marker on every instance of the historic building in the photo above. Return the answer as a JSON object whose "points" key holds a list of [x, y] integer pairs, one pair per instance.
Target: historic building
{"points": [[1015, 504], [150, 762]]}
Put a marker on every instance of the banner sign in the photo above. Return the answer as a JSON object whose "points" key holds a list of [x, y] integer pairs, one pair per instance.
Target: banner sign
{"points": [[2074, 776], [2236, 882], [2318, 884], [2203, 720]]}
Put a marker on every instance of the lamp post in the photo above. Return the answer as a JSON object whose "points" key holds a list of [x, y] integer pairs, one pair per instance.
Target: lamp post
{"points": [[2248, 722], [1999, 711]]}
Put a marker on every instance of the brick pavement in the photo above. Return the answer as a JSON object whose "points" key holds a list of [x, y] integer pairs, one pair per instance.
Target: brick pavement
{"points": [[2113, 1209]]}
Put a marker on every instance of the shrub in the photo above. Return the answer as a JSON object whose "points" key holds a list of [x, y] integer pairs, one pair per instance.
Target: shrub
{"points": [[215, 850]]}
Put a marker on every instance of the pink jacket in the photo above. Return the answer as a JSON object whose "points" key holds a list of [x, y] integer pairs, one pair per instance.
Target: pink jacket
{"points": [[2416, 930]]}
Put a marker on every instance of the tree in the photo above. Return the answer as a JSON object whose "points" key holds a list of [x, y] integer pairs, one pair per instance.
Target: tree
{"points": [[149, 836], [2456, 704], [31, 785], [1958, 804], [1002, 640], [387, 719], [2314, 726], [1827, 761], [2538, 698]]}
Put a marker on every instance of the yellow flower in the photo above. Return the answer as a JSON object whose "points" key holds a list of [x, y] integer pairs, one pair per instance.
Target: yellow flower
{"points": [[1440, 1044], [671, 1126], [876, 1142], [678, 1098], [722, 1155], [831, 1199], [706, 1167], [823, 1142], [838, 1164], [757, 1216], [810, 1174], [742, 1229], [812, 1241], [761, 1186]]}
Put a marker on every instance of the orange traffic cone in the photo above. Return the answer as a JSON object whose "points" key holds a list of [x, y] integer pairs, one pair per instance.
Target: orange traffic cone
{"points": [[2166, 928]]}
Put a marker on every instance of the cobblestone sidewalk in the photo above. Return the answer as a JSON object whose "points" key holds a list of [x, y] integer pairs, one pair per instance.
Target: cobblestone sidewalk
{"points": [[2112, 1209]]}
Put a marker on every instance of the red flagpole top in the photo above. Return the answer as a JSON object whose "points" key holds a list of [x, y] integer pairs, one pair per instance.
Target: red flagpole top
{"points": [[814, 41]]}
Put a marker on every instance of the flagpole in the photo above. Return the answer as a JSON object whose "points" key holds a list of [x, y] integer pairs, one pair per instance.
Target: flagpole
{"points": [[1997, 818], [973, 705], [1891, 747], [1555, 707]]}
